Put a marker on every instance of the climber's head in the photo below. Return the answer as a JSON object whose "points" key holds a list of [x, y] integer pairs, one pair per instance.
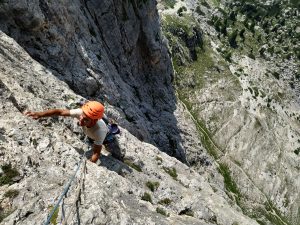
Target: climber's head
{"points": [[92, 111]]}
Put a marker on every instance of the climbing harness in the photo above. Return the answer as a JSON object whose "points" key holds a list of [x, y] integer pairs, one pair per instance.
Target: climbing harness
{"points": [[80, 187], [113, 130]]}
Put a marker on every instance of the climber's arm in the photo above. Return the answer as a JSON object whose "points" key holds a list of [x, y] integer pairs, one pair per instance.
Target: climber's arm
{"points": [[48, 113], [96, 152]]}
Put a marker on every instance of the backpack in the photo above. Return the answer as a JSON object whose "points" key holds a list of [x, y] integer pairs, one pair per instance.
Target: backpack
{"points": [[113, 130]]}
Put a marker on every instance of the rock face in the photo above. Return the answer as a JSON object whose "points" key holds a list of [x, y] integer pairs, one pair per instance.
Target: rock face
{"points": [[107, 50], [233, 119], [150, 187], [243, 91]]}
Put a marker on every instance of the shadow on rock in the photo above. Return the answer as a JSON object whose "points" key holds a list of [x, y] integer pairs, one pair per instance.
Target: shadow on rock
{"points": [[115, 165]]}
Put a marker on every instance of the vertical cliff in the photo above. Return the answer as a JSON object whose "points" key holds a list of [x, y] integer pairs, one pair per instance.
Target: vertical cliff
{"points": [[107, 50]]}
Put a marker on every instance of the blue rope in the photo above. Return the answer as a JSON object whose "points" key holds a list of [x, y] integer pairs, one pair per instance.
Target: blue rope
{"points": [[64, 192]]}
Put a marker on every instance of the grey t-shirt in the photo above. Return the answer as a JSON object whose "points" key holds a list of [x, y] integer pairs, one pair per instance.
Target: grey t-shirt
{"points": [[97, 132]]}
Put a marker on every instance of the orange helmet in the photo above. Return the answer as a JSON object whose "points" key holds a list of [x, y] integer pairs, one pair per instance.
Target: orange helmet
{"points": [[93, 109]]}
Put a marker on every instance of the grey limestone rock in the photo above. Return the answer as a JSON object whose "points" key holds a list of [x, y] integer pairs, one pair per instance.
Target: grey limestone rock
{"points": [[46, 153], [58, 53]]}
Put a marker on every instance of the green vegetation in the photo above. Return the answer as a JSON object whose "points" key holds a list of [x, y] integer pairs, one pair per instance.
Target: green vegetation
{"points": [[251, 55], [161, 211], [232, 39], [205, 135], [159, 159], [176, 25], [275, 74], [147, 197], [4, 214], [165, 201], [204, 61], [262, 24], [171, 171], [269, 214], [295, 3], [204, 3], [256, 92], [133, 165], [54, 216], [153, 186], [237, 163], [181, 10], [199, 11], [34, 141], [11, 194], [230, 185], [254, 35], [206, 139], [8, 174], [271, 50], [169, 3], [192, 64], [185, 38], [227, 56], [220, 25], [216, 2]]}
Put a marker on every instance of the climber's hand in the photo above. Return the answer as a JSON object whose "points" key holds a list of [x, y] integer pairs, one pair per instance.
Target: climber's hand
{"points": [[33, 115]]}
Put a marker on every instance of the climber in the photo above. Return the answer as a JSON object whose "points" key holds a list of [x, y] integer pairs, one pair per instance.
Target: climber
{"points": [[89, 117]]}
